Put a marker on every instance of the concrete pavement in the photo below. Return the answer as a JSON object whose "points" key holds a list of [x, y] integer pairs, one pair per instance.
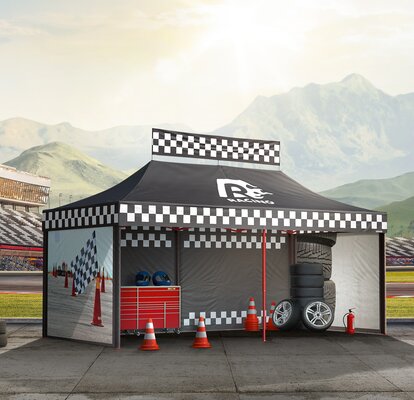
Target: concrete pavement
{"points": [[296, 365]]}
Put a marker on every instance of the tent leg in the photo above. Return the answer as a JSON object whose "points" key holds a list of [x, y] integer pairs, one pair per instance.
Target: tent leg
{"points": [[264, 283], [116, 285]]}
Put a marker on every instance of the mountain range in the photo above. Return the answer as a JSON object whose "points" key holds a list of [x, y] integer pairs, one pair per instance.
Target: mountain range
{"points": [[121, 147], [330, 134], [334, 133]]}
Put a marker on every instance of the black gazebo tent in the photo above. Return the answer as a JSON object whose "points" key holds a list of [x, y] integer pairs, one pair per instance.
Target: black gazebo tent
{"points": [[207, 226]]}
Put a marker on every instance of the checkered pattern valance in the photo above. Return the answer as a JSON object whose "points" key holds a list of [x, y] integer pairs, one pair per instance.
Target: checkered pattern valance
{"points": [[80, 217], [146, 236], [179, 144], [200, 238], [204, 238], [214, 217], [298, 220]]}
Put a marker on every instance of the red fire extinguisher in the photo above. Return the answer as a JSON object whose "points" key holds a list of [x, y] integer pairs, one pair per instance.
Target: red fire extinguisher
{"points": [[350, 322]]}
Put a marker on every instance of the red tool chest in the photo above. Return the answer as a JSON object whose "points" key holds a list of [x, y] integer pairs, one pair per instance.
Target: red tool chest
{"points": [[161, 303]]}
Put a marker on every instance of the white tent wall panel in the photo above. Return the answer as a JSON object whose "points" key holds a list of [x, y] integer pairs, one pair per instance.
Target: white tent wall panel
{"points": [[355, 271]]}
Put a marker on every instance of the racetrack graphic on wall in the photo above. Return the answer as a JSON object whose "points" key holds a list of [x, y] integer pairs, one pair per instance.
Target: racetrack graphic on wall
{"points": [[80, 294]]}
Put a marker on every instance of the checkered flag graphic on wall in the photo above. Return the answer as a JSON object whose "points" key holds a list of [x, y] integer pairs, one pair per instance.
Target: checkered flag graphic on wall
{"points": [[85, 266]]}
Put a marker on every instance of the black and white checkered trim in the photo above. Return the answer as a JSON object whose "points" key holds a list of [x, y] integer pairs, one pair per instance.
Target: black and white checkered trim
{"points": [[180, 144], [80, 217], [204, 238], [147, 236], [219, 318], [185, 216]]}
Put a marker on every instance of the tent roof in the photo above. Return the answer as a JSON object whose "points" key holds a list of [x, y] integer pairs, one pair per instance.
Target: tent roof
{"points": [[197, 185], [213, 196]]}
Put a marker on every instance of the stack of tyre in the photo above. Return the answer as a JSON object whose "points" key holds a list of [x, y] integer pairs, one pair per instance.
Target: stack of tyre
{"points": [[3, 333], [313, 294]]}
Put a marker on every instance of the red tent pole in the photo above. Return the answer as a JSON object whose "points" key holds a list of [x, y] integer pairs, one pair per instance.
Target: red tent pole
{"points": [[264, 282]]}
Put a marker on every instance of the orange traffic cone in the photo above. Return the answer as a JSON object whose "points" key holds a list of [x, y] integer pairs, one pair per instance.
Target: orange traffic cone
{"points": [[103, 281], [73, 287], [149, 343], [201, 341], [270, 326], [97, 321], [251, 323], [66, 279]]}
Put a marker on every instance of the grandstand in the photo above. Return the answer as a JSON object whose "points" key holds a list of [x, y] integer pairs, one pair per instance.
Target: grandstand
{"points": [[400, 251], [21, 240]]}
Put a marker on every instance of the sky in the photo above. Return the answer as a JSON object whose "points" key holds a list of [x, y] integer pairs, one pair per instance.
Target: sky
{"points": [[100, 63]]}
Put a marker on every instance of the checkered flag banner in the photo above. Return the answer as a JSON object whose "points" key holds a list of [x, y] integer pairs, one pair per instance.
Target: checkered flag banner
{"points": [[180, 144], [85, 265]]}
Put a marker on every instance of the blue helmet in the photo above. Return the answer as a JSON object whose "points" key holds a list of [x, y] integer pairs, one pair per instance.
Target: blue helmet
{"points": [[142, 278], [160, 278]]}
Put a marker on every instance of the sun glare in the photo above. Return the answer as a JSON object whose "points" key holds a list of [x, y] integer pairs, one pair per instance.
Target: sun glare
{"points": [[248, 32]]}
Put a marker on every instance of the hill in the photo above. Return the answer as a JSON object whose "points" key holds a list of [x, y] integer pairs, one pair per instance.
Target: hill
{"points": [[373, 193], [74, 174], [400, 218]]}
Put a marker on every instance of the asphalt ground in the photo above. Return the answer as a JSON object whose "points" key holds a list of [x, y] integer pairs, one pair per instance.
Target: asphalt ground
{"points": [[21, 283], [34, 284], [400, 289], [295, 365]]}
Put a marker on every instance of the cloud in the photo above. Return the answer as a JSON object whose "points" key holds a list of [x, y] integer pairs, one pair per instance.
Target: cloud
{"points": [[11, 30]]}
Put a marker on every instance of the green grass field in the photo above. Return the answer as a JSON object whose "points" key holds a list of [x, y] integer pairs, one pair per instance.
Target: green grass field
{"points": [[400, 276], [20, 306], [400, 307]]}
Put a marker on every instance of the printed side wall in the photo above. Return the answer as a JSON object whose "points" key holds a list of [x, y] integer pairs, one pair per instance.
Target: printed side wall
{"points": [[82, 253]]}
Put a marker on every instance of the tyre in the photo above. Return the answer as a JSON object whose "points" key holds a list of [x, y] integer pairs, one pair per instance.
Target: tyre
{"points": [[317, 316], [286, 315], [306, 269], [306, 281], [306, 292], [3, 340], [2, 326], [327, 239], [315, 253], [329, 294], [303, 301]]}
